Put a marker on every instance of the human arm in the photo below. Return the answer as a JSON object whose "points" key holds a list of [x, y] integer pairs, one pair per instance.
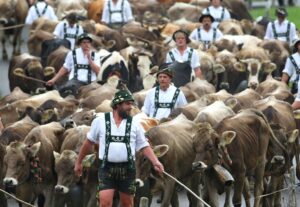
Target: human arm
{"points": [[94, 66], [128, 12], [105, 14], [269, 33], [198, 73], [148, 152], [84, 150], [62, 72], [285, 78], [287, 71]]}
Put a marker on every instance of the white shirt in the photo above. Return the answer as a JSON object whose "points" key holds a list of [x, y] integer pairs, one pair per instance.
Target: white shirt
{"points": [[281, 28], [60, 32], [217, 14], [195, 60], [206, 37], [117, 151], [32, 14], [290, 69], [164, 97], [113, 16], [81, 59]]}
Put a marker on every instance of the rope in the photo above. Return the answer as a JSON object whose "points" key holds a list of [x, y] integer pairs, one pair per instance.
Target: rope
{"points": [[30, 78], [17, 199], [12, 27], [186, 188]]}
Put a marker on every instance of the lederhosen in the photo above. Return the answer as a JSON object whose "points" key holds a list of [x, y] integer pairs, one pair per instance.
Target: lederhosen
{"points": [[207, 42], [294, 85], [68, 35], [72, 86], [282, 34], [116, 25], [183, 71], [116, 173], [221, 17], [43, 12], [164, 105]]}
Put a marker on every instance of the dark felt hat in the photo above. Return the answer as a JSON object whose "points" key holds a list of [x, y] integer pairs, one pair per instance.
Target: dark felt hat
{"points": [[206, 15], [84, 36], [281, 11], [165, 68]]}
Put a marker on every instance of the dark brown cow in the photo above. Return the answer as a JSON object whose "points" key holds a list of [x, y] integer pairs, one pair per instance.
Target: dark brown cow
{"points": [[247, 133], [21, 158], [177, 134]]}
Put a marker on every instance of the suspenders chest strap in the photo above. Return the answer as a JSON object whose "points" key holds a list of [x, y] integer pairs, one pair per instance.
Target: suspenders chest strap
{"points": [[112, 138], [282, 34], [164, 105], [189, 56], [82, 66], [37, 11], [295, 65], [116, 11], [68, 35]]}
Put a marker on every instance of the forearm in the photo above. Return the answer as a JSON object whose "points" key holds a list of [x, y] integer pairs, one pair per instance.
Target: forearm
{"points": [[84, 150], [94, 67], [148, 152], [60, 74], [198, 73]]}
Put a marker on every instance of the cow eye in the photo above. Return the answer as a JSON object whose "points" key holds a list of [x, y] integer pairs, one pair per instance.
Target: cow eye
{"points": [[209, 147]]}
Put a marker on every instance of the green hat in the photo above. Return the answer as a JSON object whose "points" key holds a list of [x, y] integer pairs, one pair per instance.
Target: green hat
{"points": [[84, 36], [165, 68], [121, 96]]}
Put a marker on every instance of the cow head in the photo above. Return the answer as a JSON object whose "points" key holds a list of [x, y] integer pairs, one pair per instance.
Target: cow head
{"points": [[80, 117], [207, 144], [254, 67], [17, 162], [144, 168], [64, 167]]}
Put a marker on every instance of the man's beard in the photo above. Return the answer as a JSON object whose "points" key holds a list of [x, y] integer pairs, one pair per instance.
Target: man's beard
{"points": [[123, 114]]}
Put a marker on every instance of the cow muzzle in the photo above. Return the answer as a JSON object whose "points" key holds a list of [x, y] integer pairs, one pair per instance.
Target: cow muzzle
{"points": [[61, 189], [10, 182], [3, 21], [199, 166]]}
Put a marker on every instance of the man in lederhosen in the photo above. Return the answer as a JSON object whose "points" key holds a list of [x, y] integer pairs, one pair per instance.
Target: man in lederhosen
{"points": [[116, 13], [38, 10], [281, 29], [186, 60], [162, 99], [119, 137], [69, 29], [206, 33], [219, 12], [82, 65], [291, 71]]}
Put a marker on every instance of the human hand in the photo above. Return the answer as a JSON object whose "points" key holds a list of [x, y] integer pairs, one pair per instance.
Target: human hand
{"points": [[158, 167], [50, 82], [78, 169]]}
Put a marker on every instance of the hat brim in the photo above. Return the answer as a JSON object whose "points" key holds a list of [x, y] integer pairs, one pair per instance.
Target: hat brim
{"points": [[84, 38]]}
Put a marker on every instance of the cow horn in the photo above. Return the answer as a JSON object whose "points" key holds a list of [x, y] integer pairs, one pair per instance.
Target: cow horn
{"points": [[49, 71], [56, 156], [292, 138], [296, 114], [19, 72]]}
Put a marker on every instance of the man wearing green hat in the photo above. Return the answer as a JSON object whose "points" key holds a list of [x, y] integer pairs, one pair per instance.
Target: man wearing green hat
{"points": [[161, 100], [82, 65], [119, 136]]}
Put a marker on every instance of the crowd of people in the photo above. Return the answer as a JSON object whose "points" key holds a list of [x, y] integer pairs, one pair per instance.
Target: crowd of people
{"points": [[118, 134]]}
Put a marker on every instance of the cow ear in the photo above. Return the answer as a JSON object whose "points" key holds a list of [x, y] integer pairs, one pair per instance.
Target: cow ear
{"points": [[34, 149], [218, 68], [296, 114], [268, 67], [292, 138], [160, 150], [227, 138], [231, 102], [88, 160], [241, 67], [56, 156], [19, 72]]}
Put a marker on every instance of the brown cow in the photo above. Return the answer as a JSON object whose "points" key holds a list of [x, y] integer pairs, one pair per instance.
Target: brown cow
{"points": [[30, 162], [12, 12], [94, 10], [177, 134], [15, 95], [64, 167], [247, 133]]}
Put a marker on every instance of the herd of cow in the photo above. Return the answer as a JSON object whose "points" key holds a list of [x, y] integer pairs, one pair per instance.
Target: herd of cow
{"points": [[224, 129]]}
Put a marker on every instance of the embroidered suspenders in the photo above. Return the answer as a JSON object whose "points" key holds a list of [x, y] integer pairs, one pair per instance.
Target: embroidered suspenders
{"points": [[207, 42], [37, 11], [164, 105], [122, 139], [282, 34], [189, 57], [68, 35], [221, 17], [297, 70], [82, 66], [116, 11]]}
